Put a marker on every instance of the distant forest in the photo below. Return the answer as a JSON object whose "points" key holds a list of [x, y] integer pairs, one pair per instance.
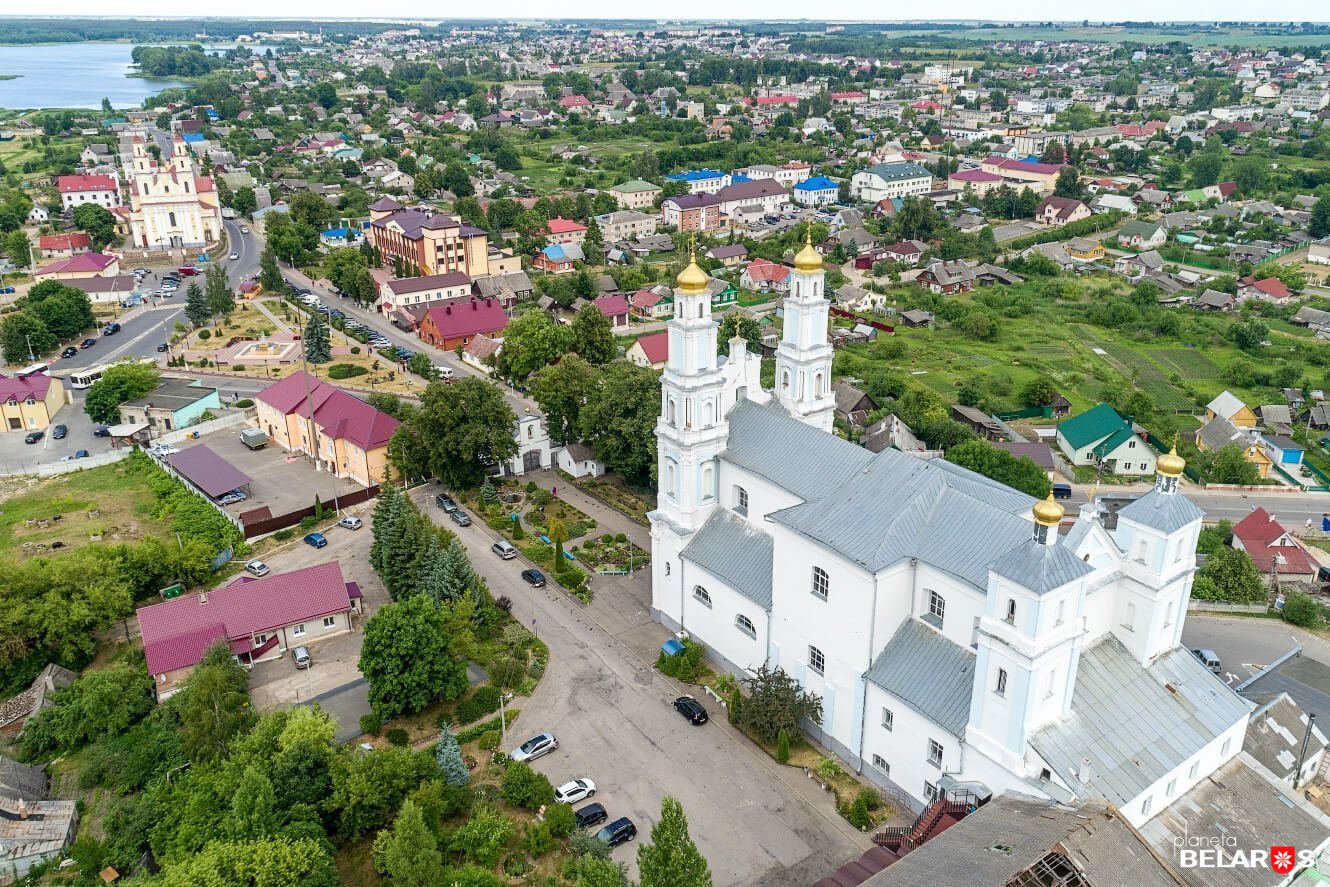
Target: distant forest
{"points": [[50, 30]]}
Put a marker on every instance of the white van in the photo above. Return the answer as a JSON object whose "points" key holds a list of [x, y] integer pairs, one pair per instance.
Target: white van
{"points": [[443, 371]]}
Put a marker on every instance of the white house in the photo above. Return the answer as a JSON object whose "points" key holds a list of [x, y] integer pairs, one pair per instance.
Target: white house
{"points": [[817, 191], [886, 180], [395, 294], [1011, 657], [578, 460]]}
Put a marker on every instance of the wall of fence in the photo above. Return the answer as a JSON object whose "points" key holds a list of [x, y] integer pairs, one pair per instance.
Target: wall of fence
{"points": [[1194, 606], [261, 526], [232, 419], [51, 469]]}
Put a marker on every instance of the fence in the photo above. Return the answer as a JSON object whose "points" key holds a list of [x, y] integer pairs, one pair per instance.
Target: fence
{"points": [[1028, 413], [875, 324], [258, 525], [1225, 607], [232, 419], [51, 469]]}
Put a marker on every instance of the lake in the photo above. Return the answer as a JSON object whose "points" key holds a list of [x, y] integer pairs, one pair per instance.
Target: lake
{"points": [[73, 75]]}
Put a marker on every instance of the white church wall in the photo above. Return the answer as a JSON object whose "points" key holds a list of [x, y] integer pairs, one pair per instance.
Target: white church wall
{"points": [[963, 604], [714, 623], [1178, 781], [764, 497], [904, 746]]}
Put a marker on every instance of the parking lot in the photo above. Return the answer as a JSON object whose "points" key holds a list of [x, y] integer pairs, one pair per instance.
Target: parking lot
{"points": [[280, 480], [757, 823], [17, 457]]}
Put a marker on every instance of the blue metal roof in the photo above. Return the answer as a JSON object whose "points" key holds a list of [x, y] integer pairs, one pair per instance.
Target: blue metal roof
{"points": [[817, 183], [694, 175]]}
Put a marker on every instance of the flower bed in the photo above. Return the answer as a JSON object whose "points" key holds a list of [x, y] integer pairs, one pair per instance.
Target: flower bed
{"points": [[611, 554]]}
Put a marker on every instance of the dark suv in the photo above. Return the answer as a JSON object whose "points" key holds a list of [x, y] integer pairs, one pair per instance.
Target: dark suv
{"points": [[618, 832], [691, 709], [591, 814], [446, 503]]}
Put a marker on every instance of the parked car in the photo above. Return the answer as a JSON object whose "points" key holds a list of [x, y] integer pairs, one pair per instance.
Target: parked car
{"points": [[591, 814], [6, 290], [235, 257], [163, 348], [301, 657], [351, 522], [534, 747], [233, 497], [164, 450], [460, 518], [577, 790], [87, 343], [691, 709], [71, 351], [534, 578], [257, 568], [81, 454], [504, 549], [316, 539], [111, 329], [59, 432], [101, 431], [618, 832], [1210, 658], [1061, 491], [34, 436], [445, 502]]}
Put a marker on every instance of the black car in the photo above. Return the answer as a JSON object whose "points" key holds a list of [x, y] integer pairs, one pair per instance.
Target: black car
{"points": [[534, 578], [71, 351], [59, 432], [101, 431], [163, 348], [591, 814], [445, 502], [34, 436], [87, 343], [617, 832], [111, 329], [691, 709]]}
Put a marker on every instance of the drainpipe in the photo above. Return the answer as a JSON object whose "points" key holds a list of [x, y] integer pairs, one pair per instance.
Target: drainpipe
{"points": [[1302, 755], [863, 678]]}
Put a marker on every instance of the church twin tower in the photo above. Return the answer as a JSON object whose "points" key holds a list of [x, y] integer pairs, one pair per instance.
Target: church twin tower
{"points": [[698, 388]]}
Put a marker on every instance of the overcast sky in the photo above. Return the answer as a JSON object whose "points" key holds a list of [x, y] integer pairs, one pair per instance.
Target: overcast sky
{"points": [[1030, 10]]}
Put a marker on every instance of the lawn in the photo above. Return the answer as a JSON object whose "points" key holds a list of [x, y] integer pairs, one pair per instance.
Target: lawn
{"points": [[107, 501]]}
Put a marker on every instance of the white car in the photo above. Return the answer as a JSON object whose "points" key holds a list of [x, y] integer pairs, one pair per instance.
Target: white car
{"points": [[351, 522], [577, 790], [257, 568], [244, 230], [235, 257], [535, 747], [165, 450]]}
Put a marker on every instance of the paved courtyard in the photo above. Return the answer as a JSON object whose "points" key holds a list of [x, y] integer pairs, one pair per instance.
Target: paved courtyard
{"points": [[758, 823]]}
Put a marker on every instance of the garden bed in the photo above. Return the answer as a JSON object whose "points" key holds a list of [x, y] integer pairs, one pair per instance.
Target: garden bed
{"points": [[609, 554], [617, 494]]}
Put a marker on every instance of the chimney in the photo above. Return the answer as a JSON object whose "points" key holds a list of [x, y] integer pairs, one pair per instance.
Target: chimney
{"points": [[22, 809], [203, 598]]}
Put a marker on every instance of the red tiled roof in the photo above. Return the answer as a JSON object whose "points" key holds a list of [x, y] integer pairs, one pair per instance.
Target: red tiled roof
{"points": [[339, 415], [656, 346], [1259, 532], [645, 298], [612, 306], [459, 318], [34, 385], [75, 184], [176, 633], [75, 240], [564, 226], [574, 101], [1271, 286], [95, 262], [975, 175], [764, 269]]}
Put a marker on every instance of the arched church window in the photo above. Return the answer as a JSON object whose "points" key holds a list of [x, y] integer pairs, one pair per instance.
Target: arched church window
{"points": [[710, 412], [709, 481], [701, 595], [821, 583], [818, 387], [186, 187], [1011, 611], [1129, 617], [785, 380], [699, 309], [744, 624], [670, 411], [171, 217]]}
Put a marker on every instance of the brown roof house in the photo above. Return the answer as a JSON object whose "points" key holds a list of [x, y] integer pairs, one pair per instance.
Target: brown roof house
{"points": [[852, 404], [16, 710]]}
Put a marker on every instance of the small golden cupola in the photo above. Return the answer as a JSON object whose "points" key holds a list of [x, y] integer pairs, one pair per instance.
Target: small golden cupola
{"points": [[808, 258], [1170, 464], [691, 280], [1047, 517]]}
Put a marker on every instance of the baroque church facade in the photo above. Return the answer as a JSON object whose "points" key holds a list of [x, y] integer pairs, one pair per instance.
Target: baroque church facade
{"points": [[170, 206], [956, 638]]}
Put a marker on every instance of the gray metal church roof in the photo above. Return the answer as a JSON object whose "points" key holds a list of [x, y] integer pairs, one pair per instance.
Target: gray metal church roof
{"points": [[929, 673], [737, 552], [1166, 512], [1135, 724], [805, 460], [1042, 568]]}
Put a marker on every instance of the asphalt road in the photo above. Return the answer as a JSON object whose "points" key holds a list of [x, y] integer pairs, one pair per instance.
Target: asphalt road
{"points": [[1246, 645], [613, 716]]}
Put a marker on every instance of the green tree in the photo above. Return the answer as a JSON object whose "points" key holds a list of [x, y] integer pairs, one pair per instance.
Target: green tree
{"points": [[368, 788], [244, 201], [592, 336], [1233, 576], [318, 342], [457, 433], [783, 747], [671, 859], [270, 276], [746, 328], [448, 755], [62, 309], [215, 708], [408, 853], [406, 657], [98, 222], [777, 702], [19, 248], [1204, 169], [1038, 392], [524, 787], [1019, 473], [1230, 466], [24, 336], [1069, 183], [560, 389], [558, 534], [1251, 175], [531, 341], [1303, 610], [119, 383], [253, 814], [619, 417], [221, 300], [272, 862], [196, 304], [1319, 226]]}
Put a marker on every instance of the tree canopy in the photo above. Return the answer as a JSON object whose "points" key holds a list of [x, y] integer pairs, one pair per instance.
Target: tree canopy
{"points": [[407, 658]]}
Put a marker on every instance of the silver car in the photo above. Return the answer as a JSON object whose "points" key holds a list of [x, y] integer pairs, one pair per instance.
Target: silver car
{"points": [[257, 568], [351, 522], [535, 747]]}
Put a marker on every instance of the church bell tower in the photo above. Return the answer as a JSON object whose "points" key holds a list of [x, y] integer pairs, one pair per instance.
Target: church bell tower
{"points": [[803, 358]]}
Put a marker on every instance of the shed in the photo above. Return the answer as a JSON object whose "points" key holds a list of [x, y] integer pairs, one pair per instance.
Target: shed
{"points": [[208, 471]]}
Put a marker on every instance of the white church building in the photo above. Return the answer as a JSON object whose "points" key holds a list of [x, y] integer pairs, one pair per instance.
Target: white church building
{"points": [[955, 636]]}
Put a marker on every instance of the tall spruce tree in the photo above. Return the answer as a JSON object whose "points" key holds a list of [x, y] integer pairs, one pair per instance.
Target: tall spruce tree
{"points": [[196, 305], [318, 344], [672, 859], [270, 276], [458, 577], [217, 287], [448, 755]]}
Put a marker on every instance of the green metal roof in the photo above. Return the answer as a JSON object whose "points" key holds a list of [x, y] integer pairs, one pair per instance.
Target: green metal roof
{"points": [[1136, 226], [1091, 426], [1111, 443]]}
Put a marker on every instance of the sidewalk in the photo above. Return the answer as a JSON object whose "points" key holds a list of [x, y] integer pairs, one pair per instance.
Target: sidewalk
{"points": [[266, 312]]}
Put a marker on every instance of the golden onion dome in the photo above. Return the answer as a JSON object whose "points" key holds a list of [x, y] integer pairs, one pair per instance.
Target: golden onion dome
{"points": [[808, 259], [1047, 512], [691, 280], [1170, 464]]}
